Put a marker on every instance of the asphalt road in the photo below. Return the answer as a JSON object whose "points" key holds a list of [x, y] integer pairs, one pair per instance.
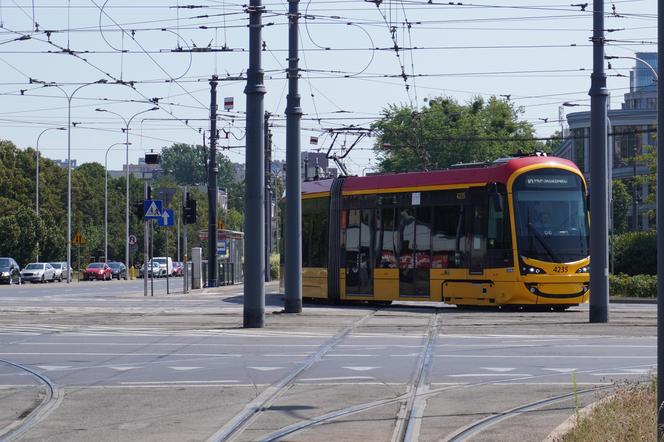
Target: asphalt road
{"points": [[179, 367]]}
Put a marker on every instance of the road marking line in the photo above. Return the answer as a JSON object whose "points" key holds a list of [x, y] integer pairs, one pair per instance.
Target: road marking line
{"points": [[122, 368], [550, 383], [335, 378], [360, 368], [479, 375], [561, 370], [546, 356], [616, 374], [54, 367], [229, 381], [285, 355], [219, 355], [499, 369], [184, 368], [267, 368], [344, 355]]}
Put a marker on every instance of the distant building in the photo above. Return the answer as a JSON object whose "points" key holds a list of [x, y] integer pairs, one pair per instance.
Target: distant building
{"points": [[139, 171], [316, 165], [631, 129]]}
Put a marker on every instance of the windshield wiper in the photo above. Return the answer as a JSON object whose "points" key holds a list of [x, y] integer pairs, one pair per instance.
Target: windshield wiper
{"points": [[541, 240]]}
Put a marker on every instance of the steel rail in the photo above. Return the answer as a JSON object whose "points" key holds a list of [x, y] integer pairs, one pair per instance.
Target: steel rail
{"points": [[472, 429], [262, 402], [53, 399], [407, 425], [312, 422]]}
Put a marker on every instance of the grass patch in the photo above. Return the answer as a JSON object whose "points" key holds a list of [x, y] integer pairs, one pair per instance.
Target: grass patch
{"points": [[629, 415]]}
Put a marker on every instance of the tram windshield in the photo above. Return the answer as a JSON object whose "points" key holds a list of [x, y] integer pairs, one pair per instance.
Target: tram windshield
{"points": [[551, 216]]}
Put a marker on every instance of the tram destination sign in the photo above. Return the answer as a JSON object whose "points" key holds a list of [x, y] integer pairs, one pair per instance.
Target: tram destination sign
{"points": [[550, 181]]}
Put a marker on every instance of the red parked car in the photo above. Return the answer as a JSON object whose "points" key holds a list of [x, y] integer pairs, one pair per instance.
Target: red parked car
{"points": [[98, 270]]}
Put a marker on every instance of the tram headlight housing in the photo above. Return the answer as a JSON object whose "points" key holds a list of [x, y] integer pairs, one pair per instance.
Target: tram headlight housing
{"points": [[531, 270], [584, 269]]}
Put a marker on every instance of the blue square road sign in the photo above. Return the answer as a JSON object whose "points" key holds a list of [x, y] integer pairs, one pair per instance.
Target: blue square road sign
{"points": [[167, 218], [152, 209]]}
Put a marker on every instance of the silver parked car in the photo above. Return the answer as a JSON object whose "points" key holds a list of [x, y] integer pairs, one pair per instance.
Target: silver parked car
{"points": [[61, 270], [38, 272]]}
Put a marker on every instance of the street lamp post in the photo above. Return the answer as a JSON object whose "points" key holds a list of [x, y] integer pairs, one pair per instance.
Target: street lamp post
{"points": [[106, 201], [635, 221], [648, 65], [69, 100], [37, 176], [127, 123]]}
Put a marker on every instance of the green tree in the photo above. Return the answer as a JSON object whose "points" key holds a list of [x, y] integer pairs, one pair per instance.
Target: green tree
{"points": [[185, 163], [554, 142], [621, 204], [445, 133], [21, 231]]}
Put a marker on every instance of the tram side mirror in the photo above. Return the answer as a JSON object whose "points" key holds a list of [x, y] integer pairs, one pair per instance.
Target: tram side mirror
{"points": [[495, 197]]}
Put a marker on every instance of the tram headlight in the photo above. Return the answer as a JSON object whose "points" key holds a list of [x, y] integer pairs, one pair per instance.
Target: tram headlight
{"points": [[584, 269], [531, 270]]}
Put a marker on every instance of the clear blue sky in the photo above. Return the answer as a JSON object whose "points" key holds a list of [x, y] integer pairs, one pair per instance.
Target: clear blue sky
{"points": [[537, 53]]}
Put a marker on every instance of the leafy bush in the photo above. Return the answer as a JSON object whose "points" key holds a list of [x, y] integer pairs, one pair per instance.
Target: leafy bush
{"points": [[274, 266], [635, 253], [639, 286]]}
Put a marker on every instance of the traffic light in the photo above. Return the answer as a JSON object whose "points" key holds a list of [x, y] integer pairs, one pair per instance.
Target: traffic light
{"points": [[152, 158], [189, 210], [137, 210]]}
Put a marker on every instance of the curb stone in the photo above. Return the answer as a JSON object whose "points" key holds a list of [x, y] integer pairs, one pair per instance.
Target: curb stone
{"points": [[568, 424]]}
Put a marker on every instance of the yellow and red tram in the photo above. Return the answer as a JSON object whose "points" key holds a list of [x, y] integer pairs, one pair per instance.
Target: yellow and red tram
{"points": [[511, 232]]}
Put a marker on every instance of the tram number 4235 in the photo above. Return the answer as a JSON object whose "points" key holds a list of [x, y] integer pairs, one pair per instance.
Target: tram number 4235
{"points": [[560, 269]]}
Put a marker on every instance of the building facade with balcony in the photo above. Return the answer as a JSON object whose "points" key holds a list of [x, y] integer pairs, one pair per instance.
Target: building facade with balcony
{"points": [[632, 131]]}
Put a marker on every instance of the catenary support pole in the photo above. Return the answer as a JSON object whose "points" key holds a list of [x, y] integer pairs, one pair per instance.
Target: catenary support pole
{"points": [[599, 213], [660, 227], [213, 188], [185, 263], [268, 195], [293, 220], [254, 282], [146, 244]]}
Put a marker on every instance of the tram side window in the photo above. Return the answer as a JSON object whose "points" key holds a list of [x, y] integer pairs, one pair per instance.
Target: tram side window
{"points": [[407, 238], [314, 233], [386, 239], [499, 236], [423, 238], [449, 247]]}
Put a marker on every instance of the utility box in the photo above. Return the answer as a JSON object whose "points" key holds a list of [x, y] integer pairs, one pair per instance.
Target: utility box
{"points": [[196, 267]]}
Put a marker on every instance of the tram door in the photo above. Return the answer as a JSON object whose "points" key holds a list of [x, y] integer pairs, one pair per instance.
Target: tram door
{"points": [[477, 226], [414, 251], [359, 252]]}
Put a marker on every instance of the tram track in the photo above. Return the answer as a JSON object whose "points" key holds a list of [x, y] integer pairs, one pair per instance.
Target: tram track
{"points": [[52, 400], [461, 434], [408, 423], [480, 425], [263, 401]]}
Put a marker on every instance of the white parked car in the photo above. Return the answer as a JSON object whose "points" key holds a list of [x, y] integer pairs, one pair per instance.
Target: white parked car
{"points": [[61, 270], [165, 266], [38, 272]]}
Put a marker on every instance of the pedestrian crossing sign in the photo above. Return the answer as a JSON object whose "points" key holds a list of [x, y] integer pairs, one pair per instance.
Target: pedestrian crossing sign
{"points": [[152, 209]]}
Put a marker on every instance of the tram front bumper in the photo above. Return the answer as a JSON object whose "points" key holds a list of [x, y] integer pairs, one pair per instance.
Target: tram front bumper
{"points": [[558, 291]]}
